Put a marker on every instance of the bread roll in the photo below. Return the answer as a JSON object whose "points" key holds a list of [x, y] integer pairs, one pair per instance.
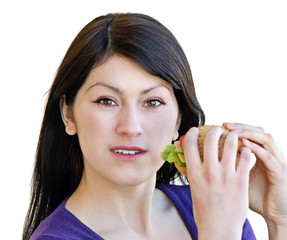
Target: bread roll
{"points": [[202, 133]]}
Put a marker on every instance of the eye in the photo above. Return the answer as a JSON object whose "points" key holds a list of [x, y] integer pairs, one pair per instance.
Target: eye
{"points": [[106, 102], [153, 103]]}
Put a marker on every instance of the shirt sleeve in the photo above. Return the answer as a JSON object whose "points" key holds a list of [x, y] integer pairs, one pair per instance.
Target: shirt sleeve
{"points": [[248, 233], [181, 197]]}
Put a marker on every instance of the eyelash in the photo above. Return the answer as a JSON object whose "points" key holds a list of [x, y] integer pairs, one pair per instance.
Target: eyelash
{"points": [[158, 103], [107, 102]]}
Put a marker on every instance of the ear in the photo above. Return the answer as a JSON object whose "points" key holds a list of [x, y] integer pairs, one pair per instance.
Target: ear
{"points": [[67, 117], [175, 134]]}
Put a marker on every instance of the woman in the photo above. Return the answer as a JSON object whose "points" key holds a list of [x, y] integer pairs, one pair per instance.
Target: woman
{"points": [[123, 92]]}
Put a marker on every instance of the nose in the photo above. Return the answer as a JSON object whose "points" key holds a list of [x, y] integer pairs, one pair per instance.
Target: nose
{"points": [[129, 123]]}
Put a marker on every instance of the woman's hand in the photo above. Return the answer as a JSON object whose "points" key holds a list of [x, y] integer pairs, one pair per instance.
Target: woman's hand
{"points": [[268, 178], [219, 191]]}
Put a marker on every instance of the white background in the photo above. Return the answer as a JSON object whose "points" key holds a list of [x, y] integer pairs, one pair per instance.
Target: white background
{"points": [[237, 51]]}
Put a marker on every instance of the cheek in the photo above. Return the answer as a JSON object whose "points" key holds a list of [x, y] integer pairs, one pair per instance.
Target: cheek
{"points": [[92, 128], [90, 123], [161, 129], [164, 126]]}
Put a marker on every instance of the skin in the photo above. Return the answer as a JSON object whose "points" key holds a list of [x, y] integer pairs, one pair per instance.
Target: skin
{"points": [[268, 179], [120, 104], [217, 186]]}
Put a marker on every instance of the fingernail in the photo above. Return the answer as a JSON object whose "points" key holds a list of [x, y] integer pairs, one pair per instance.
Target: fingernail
{"points": [[238, 130], [230, 124], [245, 140]]}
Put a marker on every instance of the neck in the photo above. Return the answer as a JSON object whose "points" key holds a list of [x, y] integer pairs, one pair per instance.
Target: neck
{"points": [[122, 206]]}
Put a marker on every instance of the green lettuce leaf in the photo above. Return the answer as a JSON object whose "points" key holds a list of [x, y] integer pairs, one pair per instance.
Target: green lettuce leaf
{"points": [[168, 149], [170, 154], [178, 150]]}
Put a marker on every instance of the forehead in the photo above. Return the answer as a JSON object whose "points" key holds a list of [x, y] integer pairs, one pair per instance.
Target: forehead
{"points": [[123, 72]]}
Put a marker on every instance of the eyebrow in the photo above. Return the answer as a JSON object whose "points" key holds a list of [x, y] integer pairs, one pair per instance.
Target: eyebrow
{"points": [[119, 91]]}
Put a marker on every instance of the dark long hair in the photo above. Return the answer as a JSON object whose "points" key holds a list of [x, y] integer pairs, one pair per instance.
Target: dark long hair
{"points": [[59, 162]]}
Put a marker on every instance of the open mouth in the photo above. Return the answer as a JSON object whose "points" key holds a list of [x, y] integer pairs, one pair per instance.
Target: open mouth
{"points": [[126, 152]]}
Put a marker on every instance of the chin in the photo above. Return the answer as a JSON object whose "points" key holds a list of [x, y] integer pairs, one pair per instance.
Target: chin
{"points": [[136, 178]]}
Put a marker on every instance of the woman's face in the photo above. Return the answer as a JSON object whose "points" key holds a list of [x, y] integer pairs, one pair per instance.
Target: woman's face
{"points": [[124, 118]]}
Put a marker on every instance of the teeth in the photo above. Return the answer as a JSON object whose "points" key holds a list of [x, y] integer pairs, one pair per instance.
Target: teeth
{"points": [[120, 151]]}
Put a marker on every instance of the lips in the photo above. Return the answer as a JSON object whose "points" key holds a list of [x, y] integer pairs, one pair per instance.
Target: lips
{"points": [[128, 153]]}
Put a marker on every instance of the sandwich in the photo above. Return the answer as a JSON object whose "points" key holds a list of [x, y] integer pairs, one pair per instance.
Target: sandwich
{"points": [[173, 153]]}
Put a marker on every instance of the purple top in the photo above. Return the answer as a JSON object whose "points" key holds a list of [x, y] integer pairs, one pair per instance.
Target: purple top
{"points": [[62, 224]]}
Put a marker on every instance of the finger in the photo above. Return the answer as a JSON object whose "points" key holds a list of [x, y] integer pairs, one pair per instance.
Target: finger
{"points": [[263, 155], [244, 162], [235, 126], [263, 139], [211, 146], [257, 135], [191, 152], [230, 151]]}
